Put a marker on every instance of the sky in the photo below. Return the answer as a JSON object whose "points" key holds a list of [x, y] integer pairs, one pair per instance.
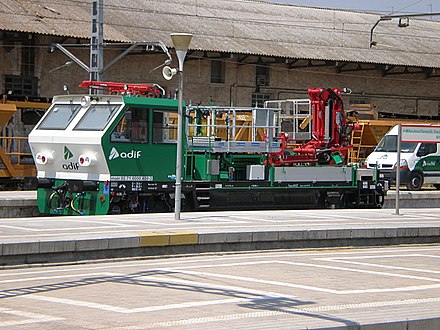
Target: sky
{"points": [[380, 6]]}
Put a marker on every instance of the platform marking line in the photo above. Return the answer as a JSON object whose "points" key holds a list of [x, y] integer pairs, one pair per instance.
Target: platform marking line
{"points": [[164, 224], [30, 317], [45, 278], [375, 256], [305, 265], [307, 287], [70, 229], [382, 256], [107, 222], [259, 296], [249, 279], [272, 227], [337, 217], [67, 221], [417, 270], [429, 279], [314, 288], [397, 289], [123, 310], [241, 316], [287, 225], [74, 229], [247, 256], [17, 227]]}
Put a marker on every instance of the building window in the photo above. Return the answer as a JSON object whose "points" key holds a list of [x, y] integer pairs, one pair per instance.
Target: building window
{"points": [[258, 99], [217, 72], [25, 84], [21, 85], [28, 57], [262, 75]]}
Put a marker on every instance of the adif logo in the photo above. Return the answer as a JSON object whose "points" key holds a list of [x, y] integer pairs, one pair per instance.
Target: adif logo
{"points": [[113, 154], [132, 154], [428, 163], [67, 153]]}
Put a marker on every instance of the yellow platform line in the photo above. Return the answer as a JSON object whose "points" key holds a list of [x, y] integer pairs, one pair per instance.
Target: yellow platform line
{"points": [[167, 238]]}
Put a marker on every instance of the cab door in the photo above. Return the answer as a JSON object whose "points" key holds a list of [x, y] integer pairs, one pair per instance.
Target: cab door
{"points": [[142, 145]]}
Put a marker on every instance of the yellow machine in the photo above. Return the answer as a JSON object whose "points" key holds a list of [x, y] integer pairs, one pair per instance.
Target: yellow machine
{"points": [[16, 162], [372, 129]]}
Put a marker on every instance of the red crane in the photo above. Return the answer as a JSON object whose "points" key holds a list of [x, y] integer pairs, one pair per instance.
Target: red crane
{"points": [[153, 90], [330, 132]]}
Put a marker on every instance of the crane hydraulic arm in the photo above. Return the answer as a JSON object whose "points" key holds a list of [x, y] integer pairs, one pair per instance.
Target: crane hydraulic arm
{"points": [[330, 133]]}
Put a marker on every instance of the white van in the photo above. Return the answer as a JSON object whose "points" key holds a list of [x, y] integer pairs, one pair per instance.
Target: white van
{"points": [[419, 162]]}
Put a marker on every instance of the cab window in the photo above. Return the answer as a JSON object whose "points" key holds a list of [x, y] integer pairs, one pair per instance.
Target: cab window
{"points": [[59, 116], [426, 149], [97, 117], [133, 127], [164, 127]]}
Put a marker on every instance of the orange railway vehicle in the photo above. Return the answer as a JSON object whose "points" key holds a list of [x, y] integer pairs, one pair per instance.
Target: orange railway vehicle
{"points": [[17, 118]]}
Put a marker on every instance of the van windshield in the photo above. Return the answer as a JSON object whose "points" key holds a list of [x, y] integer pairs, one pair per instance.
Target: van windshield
{"points": [[389, 144]]}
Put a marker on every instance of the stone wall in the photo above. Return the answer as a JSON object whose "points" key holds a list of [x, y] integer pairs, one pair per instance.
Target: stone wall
{"points": [[410, 94]]}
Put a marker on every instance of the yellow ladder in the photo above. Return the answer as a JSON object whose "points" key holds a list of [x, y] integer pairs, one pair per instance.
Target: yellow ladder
{"points": [[356, 142]]}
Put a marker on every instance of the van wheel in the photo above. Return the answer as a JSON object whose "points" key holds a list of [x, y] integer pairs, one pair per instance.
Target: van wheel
{"points": [[415, 181]]}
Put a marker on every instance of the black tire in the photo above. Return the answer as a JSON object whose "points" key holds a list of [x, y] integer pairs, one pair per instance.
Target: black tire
{"points": [[324, 158], [415, 181], [158, 204]]}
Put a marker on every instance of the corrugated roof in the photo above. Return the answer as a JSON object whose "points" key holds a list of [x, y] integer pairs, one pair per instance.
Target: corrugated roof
{"points": [[238, 26]]}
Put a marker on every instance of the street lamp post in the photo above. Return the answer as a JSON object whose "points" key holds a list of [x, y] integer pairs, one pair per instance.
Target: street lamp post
{"points": [[181, 43]]}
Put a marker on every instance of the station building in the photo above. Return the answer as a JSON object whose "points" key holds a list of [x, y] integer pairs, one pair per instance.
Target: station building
{"points": [[243, 52]]}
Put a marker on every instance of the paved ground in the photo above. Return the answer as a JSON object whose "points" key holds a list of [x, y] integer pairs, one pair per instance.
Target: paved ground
{"points": [[288, 289], [24, 229], [398, 287], [49, 239]]}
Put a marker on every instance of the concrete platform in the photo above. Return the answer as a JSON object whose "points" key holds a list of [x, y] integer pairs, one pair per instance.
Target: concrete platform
{"points": [[16, 204], [59, 239]]}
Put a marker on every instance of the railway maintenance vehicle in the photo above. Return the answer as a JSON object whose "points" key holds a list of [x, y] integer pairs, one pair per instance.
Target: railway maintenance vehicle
{"points": [[18, 116], [116, 153]]}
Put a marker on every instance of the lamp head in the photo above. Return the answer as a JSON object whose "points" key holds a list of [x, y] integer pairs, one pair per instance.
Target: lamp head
{"points": [[181, 43]]}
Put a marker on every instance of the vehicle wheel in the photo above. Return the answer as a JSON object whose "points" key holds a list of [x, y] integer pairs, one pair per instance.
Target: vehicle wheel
{"points": [[158, 204], [324, 158], [415, 181], [436, 186]]}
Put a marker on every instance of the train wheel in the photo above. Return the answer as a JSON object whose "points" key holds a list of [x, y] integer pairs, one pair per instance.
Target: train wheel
{"points": [[115, 208], [158, 204]]}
